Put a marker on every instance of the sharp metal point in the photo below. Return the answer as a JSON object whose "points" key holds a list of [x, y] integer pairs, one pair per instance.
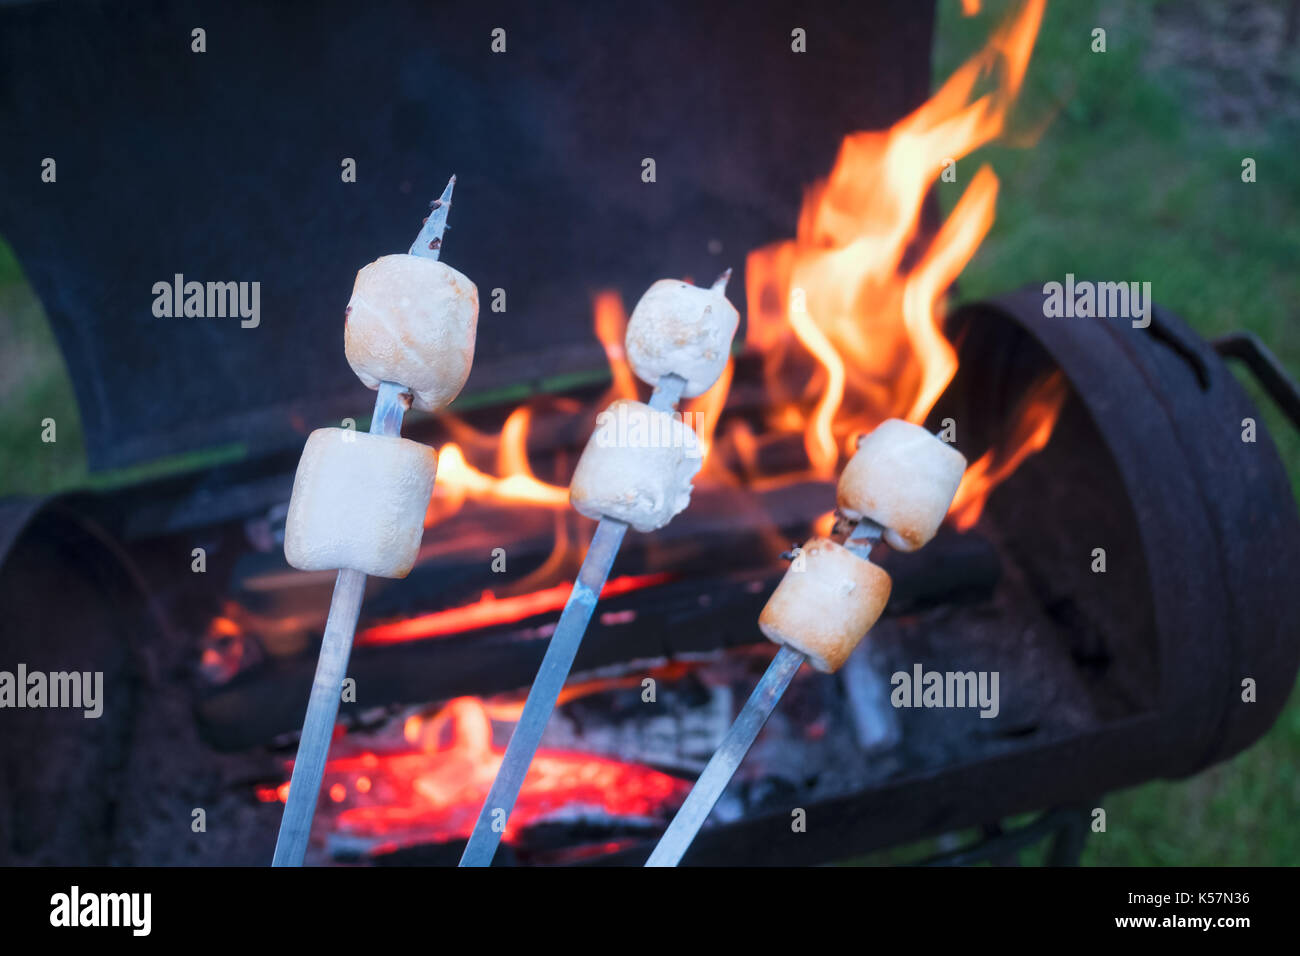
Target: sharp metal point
{"points": [[391, 402], [720, 283], [428, 244]]}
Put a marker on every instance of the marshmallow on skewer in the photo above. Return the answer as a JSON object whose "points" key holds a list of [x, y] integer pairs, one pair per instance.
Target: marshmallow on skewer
{"points": [[635, 471], [903, 478], [825, 604], [412, 320], [359, 502], [684, 330], [637, 467]]}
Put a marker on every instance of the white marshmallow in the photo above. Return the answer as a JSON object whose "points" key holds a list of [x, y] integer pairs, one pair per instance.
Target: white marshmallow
{"points": [[826, 602], [359, 502], [682, 329], [903, 478], [637, 467], [412, 321]]}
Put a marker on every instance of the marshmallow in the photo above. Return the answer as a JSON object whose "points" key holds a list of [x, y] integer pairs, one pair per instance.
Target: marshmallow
{"points": [[826, 602], [682, 329], [904, 479], [637, 467], [412, 321], [359, 502]]}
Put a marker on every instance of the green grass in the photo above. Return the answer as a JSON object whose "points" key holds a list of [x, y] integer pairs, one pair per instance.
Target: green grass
{"points": [[34, 386], [1129, 182]]}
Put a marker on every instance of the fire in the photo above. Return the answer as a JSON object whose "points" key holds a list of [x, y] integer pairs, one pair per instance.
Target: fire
{"points": [[430, 787], [515, 483], [458, 479], [847, 321], [853, 290], [847, 316], [511, 711], [611, 325], [1033, 424], [490, 610]]}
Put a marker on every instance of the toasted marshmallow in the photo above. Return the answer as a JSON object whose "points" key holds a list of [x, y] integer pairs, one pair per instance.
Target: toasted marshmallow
{"points": [[826, 602], [359, 502], [903, 478], [637, 467], [412, 321], [682, 329]]}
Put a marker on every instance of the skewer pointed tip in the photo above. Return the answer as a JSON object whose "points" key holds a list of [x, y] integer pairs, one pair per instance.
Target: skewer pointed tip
{"points": [[429, 242], [720, 283], [445, 198]]}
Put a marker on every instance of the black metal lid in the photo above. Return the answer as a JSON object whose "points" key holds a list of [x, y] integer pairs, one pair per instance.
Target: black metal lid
{"points": [[225, 166]]}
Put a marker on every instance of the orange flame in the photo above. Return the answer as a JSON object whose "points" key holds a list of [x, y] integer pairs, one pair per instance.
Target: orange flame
{"points": [[846, 318], [843, 290], [611, 327], [704, 411], [1033, 424], [458, 479]]}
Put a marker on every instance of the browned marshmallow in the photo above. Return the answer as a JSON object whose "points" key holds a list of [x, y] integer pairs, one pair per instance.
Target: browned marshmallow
{"points": [[681, 329], [637, 467], [825, 604], [412, 321], [904, 479], [359, 502]]}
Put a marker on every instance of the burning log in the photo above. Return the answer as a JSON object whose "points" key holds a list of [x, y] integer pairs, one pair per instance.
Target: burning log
{"points": [[445, 654], [359, 505], [824, 632], [615, 486]]}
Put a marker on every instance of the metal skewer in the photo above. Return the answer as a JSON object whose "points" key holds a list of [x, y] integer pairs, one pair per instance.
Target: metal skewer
{"points": [[563, 647], [391, 404], [428, 243], [698, 804]]}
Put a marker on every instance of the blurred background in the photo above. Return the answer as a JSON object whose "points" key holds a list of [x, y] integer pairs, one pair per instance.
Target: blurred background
{"points": [[1135, 172]]}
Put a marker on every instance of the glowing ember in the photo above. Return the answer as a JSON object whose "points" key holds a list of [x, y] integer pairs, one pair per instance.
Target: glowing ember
{"points": [[431, 790], [510, 712], [489, 611]]}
